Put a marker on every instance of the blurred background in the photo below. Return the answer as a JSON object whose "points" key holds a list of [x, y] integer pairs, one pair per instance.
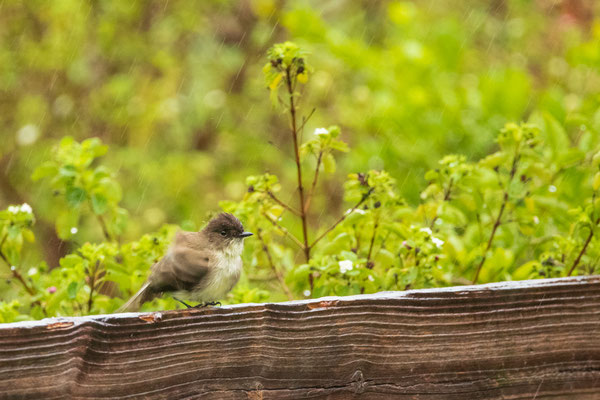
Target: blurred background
{"points": [[175, 89]]}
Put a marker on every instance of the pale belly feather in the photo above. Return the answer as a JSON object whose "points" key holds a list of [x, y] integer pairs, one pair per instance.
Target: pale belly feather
{"points": [[222, 277]]}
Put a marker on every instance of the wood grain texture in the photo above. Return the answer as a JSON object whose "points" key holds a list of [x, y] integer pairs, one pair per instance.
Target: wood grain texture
{"points": [[514, 340]]}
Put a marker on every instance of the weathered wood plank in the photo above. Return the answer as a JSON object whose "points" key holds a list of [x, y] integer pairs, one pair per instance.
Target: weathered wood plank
{"points": [[513, 340]]}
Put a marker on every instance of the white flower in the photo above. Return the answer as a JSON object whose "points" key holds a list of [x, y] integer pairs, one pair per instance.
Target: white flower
{"points": [[426, 230], [437, 241], [536, 220], [22, 208], [306, 293], [358, 210], [345, 266], [370, 277], [552, 188], [73, 230], [321, 131]]}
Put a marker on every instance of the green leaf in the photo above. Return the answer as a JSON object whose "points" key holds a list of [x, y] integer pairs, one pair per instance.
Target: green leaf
{"points": [[556, 136], [329, 163], [431, 175], [72, 290], [118, 221], [75, 196], [525, 271], [339, 243], [339, 146], [44, 170], [596, 182], [299, 273], [66, 221], [70, 261], [28, 235], [94, 146], [385, 258], [99, 203], [68, 171], [111, 189]]}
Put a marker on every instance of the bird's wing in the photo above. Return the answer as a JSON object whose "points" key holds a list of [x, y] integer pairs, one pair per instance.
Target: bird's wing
{"points": [[182, 268]]}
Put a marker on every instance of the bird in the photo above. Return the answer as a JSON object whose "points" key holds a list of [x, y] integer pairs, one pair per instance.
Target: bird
{"points": [[200, 266]]}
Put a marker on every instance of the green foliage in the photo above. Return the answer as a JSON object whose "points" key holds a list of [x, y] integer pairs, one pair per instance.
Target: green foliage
{"points": [[96, 277], [82, 187], [186, 120], [476, 222], [286, 65], [15, 227]]}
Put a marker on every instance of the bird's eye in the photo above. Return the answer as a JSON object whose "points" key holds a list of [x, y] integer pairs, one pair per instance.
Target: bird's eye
{"points": [[223, 233]]}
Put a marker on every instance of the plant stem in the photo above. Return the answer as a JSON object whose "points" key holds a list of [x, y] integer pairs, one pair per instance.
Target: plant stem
{"points": [[278, 274], [305, 247], [583, 249], [107, 235], [314, 182], [92, 285], [447, 192], [489, 243], [373, 239], [282, 204], [498, 220], [343, 217], [283, 230], [305, 119], [14, 271]]}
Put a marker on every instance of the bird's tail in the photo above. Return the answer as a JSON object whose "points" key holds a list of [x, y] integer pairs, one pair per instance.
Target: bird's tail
{"points": [[136, 301]]}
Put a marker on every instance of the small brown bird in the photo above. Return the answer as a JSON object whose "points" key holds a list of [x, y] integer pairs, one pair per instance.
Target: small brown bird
{"points": [[200, 266]]}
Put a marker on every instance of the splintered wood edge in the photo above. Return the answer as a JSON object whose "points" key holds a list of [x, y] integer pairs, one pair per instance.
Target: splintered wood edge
{"points": [[57, 323]]}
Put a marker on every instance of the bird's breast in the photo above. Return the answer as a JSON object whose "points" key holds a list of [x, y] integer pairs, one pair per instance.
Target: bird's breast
{"points": [[224, 273]]}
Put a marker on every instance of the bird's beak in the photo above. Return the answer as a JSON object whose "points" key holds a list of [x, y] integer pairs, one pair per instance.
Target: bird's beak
{"points": [[245, 234]]}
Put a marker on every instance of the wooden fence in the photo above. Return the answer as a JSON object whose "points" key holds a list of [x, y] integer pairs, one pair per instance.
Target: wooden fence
{"points": [[513, 340]]}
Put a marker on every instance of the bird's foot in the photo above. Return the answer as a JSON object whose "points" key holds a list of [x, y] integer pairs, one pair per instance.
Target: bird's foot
{"points": [[199, 305], [184, 303]]}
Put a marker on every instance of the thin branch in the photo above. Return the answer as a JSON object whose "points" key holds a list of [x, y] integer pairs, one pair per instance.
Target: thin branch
{"points": [[583, 249], [107, 235], [305, 247], [14, 271], [304, 121], [447, 192], [278, 274], [498, 220], [314, 182], [343, 217], [283, 230], [282, 204], [489, 243], [92, 286], [373, 239]]}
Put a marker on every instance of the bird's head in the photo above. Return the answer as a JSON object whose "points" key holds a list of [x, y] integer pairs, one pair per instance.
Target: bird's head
{"points": [[225, 230]]}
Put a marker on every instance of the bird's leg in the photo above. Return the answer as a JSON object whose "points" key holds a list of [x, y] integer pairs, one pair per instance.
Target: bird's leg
{"points": [[183, 302], [199, 305]]}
